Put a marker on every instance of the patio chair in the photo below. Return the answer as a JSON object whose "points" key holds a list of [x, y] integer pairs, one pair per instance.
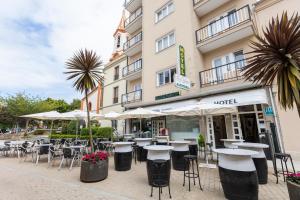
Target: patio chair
{"points": [[42, 150], [55, 152], [26, 149], [284, 159], [70, 155]]}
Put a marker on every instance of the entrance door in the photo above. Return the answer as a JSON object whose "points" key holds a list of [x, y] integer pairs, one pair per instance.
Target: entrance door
{"points": [[157, 125], [249, 127], [219, 130]]}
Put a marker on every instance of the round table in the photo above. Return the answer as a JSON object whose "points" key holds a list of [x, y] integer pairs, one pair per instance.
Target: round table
{"points": [[228, 143], [128, 137], [181, 148], [162, 140], [193, 146], [123, 155], [157, 152], [238, 174], [141, 152], [259, 159]]}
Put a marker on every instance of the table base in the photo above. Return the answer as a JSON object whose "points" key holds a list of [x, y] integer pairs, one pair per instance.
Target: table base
{"points": [[193, 148], [262, 169], [150, 170], [123, 161], [142, 154], [178, 161], [238, 185]]}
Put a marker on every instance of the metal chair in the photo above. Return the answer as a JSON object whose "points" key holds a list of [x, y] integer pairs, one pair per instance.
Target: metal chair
{"points": [[190, 160], [284, 158]]}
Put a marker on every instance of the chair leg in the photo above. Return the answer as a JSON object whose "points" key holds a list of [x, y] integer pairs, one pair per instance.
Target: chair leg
{"points": [[275, 170], [183, 177], [282, 169], [169, 191], [159, 193], [151, 195], [61, 162], [193, 171], [198, 175], [189, 173], [292, 164], [37, 159], [71, 166]]}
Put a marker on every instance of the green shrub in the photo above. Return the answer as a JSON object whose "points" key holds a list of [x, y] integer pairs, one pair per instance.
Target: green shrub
{"points": [[84, 131], [201, 140], [105, 132], [71, 128], [39, 132]]}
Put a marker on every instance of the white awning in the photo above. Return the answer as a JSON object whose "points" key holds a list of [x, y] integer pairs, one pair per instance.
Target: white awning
{"points": [[173, 105], [250, 97]]}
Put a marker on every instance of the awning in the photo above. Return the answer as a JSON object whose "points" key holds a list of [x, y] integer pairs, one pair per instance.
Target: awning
{"points": [[250, 97], [173, 105]]}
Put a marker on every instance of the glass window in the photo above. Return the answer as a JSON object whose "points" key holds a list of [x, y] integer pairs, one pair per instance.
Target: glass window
{"points": [[165, 77], [165, 42], [164, 11], [160, 79], [173, 72], [248, 108]]}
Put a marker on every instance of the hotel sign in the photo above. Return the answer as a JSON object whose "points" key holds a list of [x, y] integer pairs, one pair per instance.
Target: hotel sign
{"points": [[226, 102], [181, 60], [166, 96], [182, 82], [180, 79]]}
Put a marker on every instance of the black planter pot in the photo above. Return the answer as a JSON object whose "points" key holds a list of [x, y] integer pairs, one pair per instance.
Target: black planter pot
{"points": [[193, 148], [151, 171], [123, 161], [91, 172], [239, 185], [294, 190], [261, 169], [178, 161], [141, 154]]}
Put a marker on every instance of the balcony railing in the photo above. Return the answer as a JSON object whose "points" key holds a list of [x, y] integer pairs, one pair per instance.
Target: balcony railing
{"points": [[133, 41], [132, 97], [197, 1], [222, 74], [223, 24], [126, 2], [133, 16], [134, 67]]}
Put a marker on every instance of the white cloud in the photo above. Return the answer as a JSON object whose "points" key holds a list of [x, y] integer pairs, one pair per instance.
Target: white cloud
{"points": [[38, 36]]}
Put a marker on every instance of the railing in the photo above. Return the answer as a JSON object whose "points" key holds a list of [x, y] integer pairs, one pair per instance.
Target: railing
{"points": [[134, 67], [132, 97], [197, 1], [115, 100], [133, 16], [225, 23], [133, 41], [126, 2], [224, 73]]}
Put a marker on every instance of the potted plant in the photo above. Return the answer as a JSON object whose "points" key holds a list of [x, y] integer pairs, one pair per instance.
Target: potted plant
{"points": [[293, 184], [201, 140], [94, 167]]}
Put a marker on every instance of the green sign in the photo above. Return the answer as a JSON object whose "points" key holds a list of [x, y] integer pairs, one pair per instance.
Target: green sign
{"points": [[269, 111], [181, 60], [166, 96]]}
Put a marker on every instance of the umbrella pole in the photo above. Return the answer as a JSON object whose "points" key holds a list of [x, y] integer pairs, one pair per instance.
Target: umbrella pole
{"points": [[76, 130], [51, 127], [140, 127]]}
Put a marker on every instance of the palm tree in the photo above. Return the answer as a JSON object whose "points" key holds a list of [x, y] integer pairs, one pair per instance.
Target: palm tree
{"points": [[276, 57], [85, 68]]}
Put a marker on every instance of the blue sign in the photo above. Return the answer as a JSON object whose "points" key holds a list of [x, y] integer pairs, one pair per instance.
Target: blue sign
{"points": [[269, 111]]}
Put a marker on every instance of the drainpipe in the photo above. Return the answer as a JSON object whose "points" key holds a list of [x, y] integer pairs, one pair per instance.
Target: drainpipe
{"points": [[279, 131]]}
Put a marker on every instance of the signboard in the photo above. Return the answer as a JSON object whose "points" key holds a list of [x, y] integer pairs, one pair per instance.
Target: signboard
{"points": [[166, 96], [182, 82], [269, 111], [181, 61]]}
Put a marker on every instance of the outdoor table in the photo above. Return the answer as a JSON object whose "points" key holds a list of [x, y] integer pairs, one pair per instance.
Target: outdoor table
{"points": [[162, 140], [128, 137], [123, 155], [238, 174], [228, 143], [157, 152], [259, 159], [193, 146], [181, 148], [141, 152]]}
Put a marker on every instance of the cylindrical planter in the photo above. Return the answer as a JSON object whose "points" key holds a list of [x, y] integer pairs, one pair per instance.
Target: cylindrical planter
{"points": [[151, 170], [238, 174], [181, 148], [141, 154], [294, 190], [91, 172], [123, 156]]}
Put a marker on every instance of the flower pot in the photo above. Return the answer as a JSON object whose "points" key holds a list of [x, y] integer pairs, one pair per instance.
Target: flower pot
{"points": [[294, 190], [91, 172]]}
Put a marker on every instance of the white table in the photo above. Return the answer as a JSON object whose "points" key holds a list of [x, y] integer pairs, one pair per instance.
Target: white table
{"points": [[180, 145], [123, 155], [141, 153], [141, 142], [158, 152], [237, 171], [192, 140], [122, 147], [228, 143], [181, 148], [162, 139], [128, 136], [259, 159]]}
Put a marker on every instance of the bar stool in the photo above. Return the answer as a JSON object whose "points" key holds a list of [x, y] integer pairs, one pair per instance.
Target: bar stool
{"points": [[190, 160], [160, 176], [284, 158], [134, 152]]}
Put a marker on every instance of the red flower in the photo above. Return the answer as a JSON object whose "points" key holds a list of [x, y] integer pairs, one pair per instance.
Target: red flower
{"points": [[95, 157]]}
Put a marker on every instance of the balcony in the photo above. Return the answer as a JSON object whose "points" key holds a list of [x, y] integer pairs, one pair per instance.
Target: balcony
{"points": [[228, 29], [132, 97], [134, 22], [202, 7], [134, 45], [133, 71], [222, 74], [132, 5]]}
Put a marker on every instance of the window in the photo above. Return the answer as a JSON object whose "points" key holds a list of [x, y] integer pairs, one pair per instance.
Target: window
{"points": [[165, 42], [239, 59], [114, 124], [117, 73], [116, 95], [164, 12], [90, 106], [118, 41], [166, 76]]}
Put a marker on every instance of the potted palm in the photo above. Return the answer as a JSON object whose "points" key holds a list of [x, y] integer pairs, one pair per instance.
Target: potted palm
{"points": [[293, 184], [94, 167]]}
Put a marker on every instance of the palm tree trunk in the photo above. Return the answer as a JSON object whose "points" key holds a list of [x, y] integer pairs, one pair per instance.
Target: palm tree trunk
{"points": [[298, 108], [88, 120]]}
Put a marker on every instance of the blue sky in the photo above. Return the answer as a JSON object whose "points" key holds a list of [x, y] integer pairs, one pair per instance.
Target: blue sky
{"points": [[38, 36]]}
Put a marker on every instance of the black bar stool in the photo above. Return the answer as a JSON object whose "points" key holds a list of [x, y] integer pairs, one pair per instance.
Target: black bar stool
{"points": [[284, 158], [160, 176], [190, 160]]}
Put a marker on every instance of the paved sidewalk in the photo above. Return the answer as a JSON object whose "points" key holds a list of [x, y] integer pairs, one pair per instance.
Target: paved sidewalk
{"points": [[22, 181]]}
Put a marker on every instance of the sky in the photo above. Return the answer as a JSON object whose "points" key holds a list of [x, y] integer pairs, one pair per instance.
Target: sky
{"points": [[38, 36]]}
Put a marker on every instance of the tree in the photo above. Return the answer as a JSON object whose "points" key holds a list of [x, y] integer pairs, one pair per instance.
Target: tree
{"points": [[85, 68], [276, 56], [75, 104]]}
